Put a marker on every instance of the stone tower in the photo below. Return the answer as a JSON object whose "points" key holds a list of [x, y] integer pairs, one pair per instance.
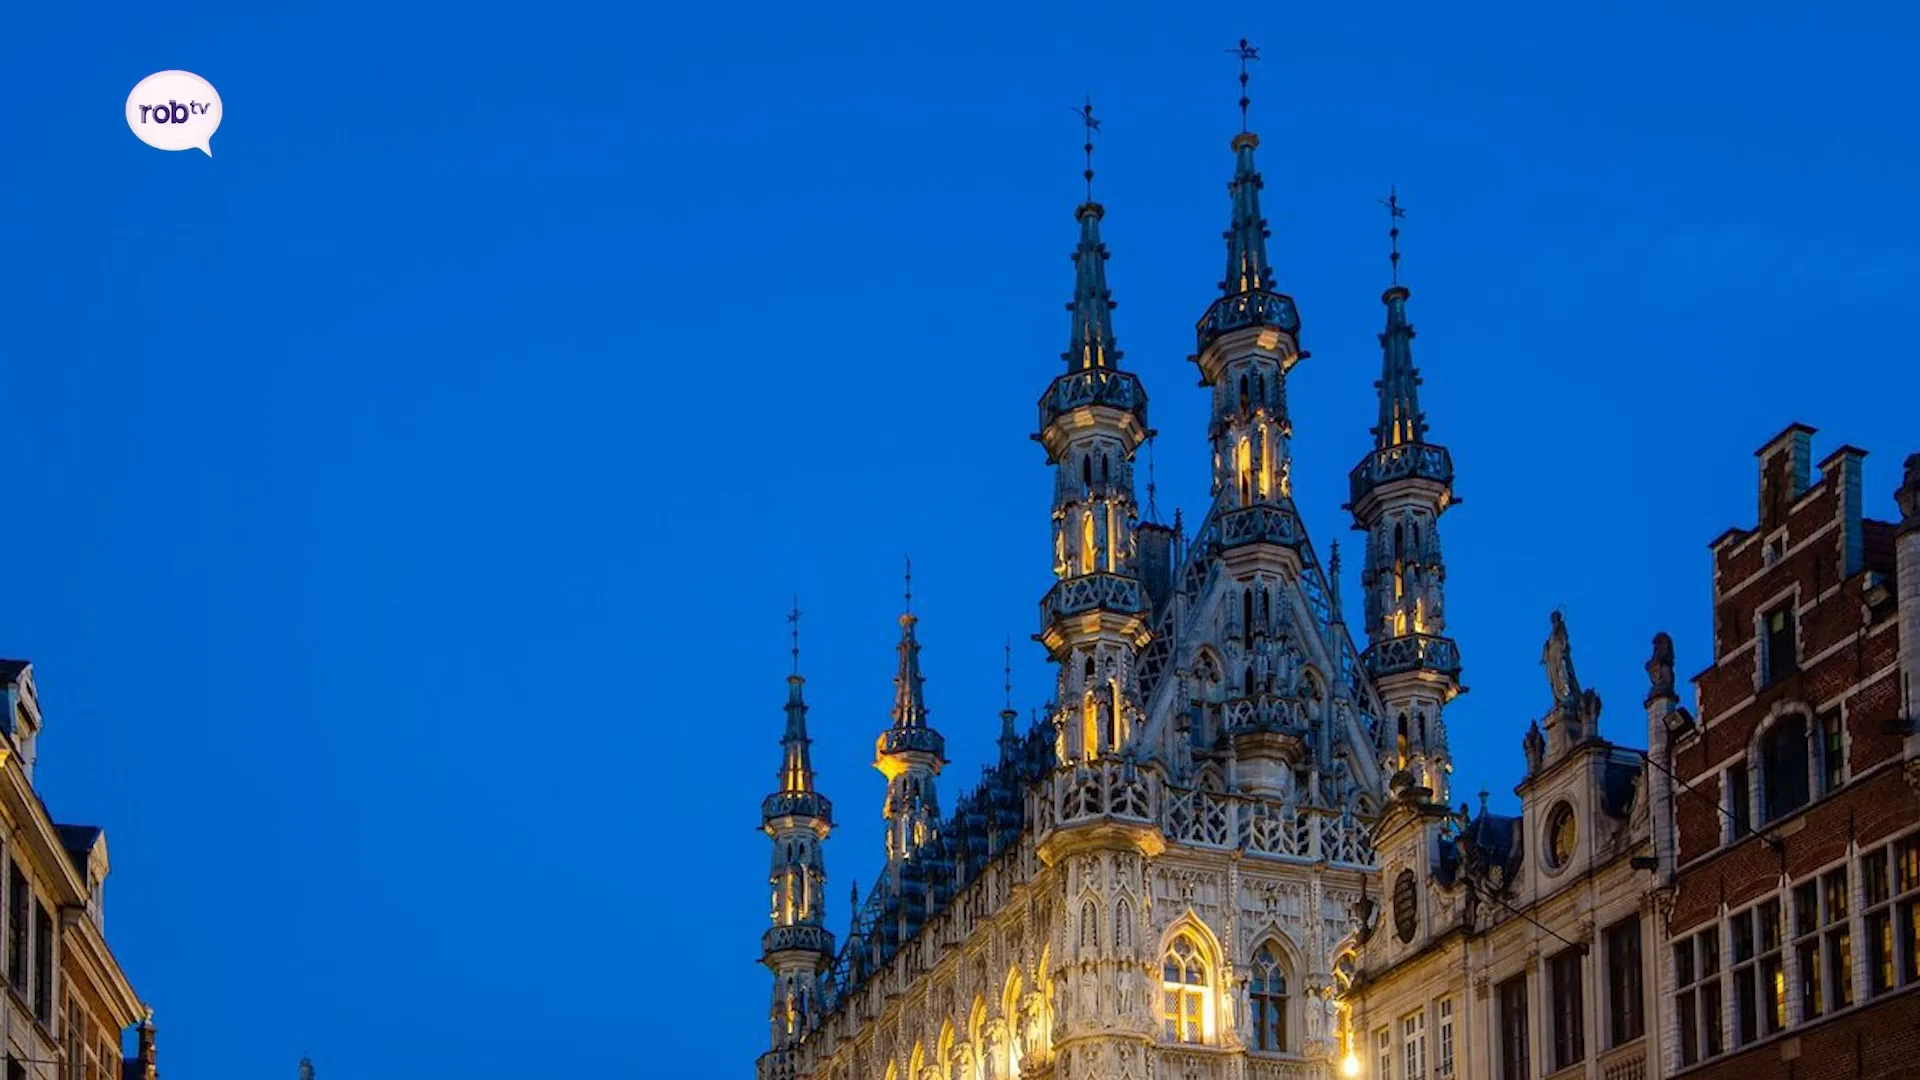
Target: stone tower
{"points": [[1093, 417], [797, 948], [1398, 492]]}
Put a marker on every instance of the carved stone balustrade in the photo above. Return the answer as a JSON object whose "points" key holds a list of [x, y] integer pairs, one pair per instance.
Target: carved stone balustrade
{"points": [[1268, 713], [1091, 592], [797, 938], [1261, 525], [1267, 1069], [1412, 652], [1264, 827], [1238, 312], [1408, 460]]}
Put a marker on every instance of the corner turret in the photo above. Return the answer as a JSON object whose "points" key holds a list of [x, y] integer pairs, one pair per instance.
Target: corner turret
{"points": [[1398, 492], [797, 948], [1092, 421]]}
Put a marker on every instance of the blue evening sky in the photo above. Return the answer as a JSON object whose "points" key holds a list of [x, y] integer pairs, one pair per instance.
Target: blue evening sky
{"points": [[403, 504]]}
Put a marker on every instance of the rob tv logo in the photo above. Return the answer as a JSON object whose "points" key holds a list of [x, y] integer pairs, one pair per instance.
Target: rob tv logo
{"points": [[174, 110]]}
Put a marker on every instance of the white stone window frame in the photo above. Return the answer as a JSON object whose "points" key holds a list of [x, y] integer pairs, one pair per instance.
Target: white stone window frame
{"points": [[1755, 761], [1789, 597]]}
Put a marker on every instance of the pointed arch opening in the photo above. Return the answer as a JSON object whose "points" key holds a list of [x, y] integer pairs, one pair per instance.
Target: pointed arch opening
{"points": [[943, 1052], [1010, 998], [1268, 1000], [1186, 989], [1087, 551]]}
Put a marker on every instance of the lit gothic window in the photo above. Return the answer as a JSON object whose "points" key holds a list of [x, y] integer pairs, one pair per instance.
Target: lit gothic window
{"points": [[1184, 983]]}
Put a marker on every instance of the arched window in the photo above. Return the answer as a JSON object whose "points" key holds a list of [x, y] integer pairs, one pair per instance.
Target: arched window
{"points": [[1267, 994], [1784, 766], [1183, 983]]}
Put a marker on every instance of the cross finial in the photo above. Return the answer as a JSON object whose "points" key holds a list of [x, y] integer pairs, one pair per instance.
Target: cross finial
{"points": [[793, 622], [909, 584], [1395, 212], [1246, 53], [1153, 509], [1085, 113], [1009, 684]]}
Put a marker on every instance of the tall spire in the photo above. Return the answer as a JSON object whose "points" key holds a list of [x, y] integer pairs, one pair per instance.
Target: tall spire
{"points": [[1401, 421], [1009, 716], [796, 764], [1248, 296], [909, 699], [1398, 493], [1247, 267], [797, 947], [1093, 418], [909, 753], [1090, 343]]}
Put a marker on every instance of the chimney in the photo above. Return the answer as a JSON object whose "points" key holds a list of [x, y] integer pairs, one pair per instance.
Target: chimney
{"points": [[1786, 470]]}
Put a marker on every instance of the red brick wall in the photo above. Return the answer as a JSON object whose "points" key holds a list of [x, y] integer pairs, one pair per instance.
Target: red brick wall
{"points": [[1880, 1041], [1867, 811]]}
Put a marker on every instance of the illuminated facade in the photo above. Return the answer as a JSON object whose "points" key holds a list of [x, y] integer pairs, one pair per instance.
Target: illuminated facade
{"points": [[1159, 876], [1523, 946], [68, 1005], [1228, 849]]}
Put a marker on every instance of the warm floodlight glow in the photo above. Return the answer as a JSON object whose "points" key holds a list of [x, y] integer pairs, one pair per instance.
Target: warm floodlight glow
{"points": [[1350, 1065]]}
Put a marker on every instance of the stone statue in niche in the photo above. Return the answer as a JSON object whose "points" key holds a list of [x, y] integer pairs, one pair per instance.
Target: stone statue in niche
{"points": [[1660, 667]]}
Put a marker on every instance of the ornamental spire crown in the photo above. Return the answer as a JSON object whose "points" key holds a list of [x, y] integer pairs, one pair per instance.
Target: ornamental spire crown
{"points": [[1401, 421], [1248, 270], [910, 730], [1090, 344]]}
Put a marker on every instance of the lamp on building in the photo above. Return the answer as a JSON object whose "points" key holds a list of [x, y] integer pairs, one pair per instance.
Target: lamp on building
{"points": [[1350, 1063]]}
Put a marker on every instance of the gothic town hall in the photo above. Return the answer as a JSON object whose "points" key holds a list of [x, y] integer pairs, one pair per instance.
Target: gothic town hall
{"points": [[1181, 870]]}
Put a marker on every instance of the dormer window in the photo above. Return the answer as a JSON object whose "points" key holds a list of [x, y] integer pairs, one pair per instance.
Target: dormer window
{"points": [[1777, 655]]}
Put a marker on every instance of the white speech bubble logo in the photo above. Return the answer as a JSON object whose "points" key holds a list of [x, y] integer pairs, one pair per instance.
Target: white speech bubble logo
{"points": [[174, 110]]}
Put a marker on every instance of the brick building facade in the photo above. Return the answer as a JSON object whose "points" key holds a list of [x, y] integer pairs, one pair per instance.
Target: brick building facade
{"points": [[1792, 868]]}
